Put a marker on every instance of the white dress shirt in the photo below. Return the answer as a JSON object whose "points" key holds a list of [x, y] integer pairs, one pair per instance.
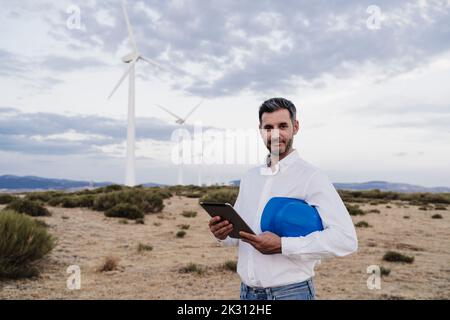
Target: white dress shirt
{"points": [[295, 178]]}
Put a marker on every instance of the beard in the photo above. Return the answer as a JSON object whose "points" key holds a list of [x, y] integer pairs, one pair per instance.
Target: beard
{"points": [[281, 149]]}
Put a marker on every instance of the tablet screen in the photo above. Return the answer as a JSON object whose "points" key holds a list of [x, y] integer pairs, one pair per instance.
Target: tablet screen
{"points": [[227, 212]]}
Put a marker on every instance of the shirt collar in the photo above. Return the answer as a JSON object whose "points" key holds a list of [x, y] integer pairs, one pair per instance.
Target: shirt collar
{"points": [[286, 161]]}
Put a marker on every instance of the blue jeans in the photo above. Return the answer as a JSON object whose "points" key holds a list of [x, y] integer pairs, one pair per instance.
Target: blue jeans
{"points": [[296, 291]]}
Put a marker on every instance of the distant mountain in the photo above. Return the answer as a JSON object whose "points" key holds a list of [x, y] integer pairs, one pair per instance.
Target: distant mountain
{"points": [[381, 185], [151, 184], [13, 183], [10, 182], [31, 183], [235, 183], [388, 186]]}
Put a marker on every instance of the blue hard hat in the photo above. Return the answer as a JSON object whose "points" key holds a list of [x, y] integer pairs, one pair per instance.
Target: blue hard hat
{"points": [[290, 217]]}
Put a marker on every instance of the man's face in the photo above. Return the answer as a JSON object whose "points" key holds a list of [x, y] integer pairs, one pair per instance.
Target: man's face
{"points": [[280, 120]]}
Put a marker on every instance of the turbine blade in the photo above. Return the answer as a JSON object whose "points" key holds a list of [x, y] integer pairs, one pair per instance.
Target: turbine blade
{"points": [[193, 109], [130, 29], [154, 63], [123, 77], [168, 111], [169, 68]]}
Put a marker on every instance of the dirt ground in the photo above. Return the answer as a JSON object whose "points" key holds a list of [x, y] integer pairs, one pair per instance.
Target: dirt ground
{"points": [[86, 238]]}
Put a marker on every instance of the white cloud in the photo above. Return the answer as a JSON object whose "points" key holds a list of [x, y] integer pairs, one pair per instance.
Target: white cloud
{"points": [[105, 18], [70, 135], [364, 97], [151, 13]]}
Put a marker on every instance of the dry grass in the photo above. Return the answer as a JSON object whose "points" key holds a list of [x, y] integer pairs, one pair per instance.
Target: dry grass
{"points": [[181, 234], [362, 224], [110, 263], [189, 214], [230, 265], [155, 274], [193, 268], [144, 247]]}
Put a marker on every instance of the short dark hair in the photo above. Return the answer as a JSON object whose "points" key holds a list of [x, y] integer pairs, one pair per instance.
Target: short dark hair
{"points": [[275, 104]]}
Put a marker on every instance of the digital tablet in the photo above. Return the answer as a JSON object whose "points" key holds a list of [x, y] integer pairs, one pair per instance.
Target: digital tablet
{"points": [[227, 212]]}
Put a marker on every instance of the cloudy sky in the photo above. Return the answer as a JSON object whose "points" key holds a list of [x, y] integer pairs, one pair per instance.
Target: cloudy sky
{"points": [[370, 79]]}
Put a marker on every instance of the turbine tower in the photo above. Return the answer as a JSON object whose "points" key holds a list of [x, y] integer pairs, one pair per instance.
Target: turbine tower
{"points": [[131, 59], [181, 122]]}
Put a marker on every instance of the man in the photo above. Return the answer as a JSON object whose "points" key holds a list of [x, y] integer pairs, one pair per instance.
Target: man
{"points": [[273, 267]]}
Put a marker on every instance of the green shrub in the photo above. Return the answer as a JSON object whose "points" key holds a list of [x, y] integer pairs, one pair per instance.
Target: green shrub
{"points": [[6, 198], [164, 193], [69, 202], [29, 207], [87, 201], [72, 201], [147, 201], [189, 191], [56, 201], [194, 194], [406, 217], [42, 223], [112, 187], [373, 211], [436, 216], [85, 192], [183, 226], [189, 214], [44, 196], [75, 201], [393, 256], [124, 210], [84, 201], [427, 198], [354, 210], [105, 201], [221, 195], [376, 196], [192, 268], [23, 243], [153, 203], [440, 208]]}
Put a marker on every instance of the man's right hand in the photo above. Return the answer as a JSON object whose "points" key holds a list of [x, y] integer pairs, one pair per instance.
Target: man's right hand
{"points": [[220, 229]]}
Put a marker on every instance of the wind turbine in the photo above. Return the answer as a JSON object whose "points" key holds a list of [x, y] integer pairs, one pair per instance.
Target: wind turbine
{"points": [[131, 59], [182, 121]]}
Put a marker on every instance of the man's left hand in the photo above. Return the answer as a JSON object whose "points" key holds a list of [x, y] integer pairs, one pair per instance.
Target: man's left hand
{"points": [[266, 242]]}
